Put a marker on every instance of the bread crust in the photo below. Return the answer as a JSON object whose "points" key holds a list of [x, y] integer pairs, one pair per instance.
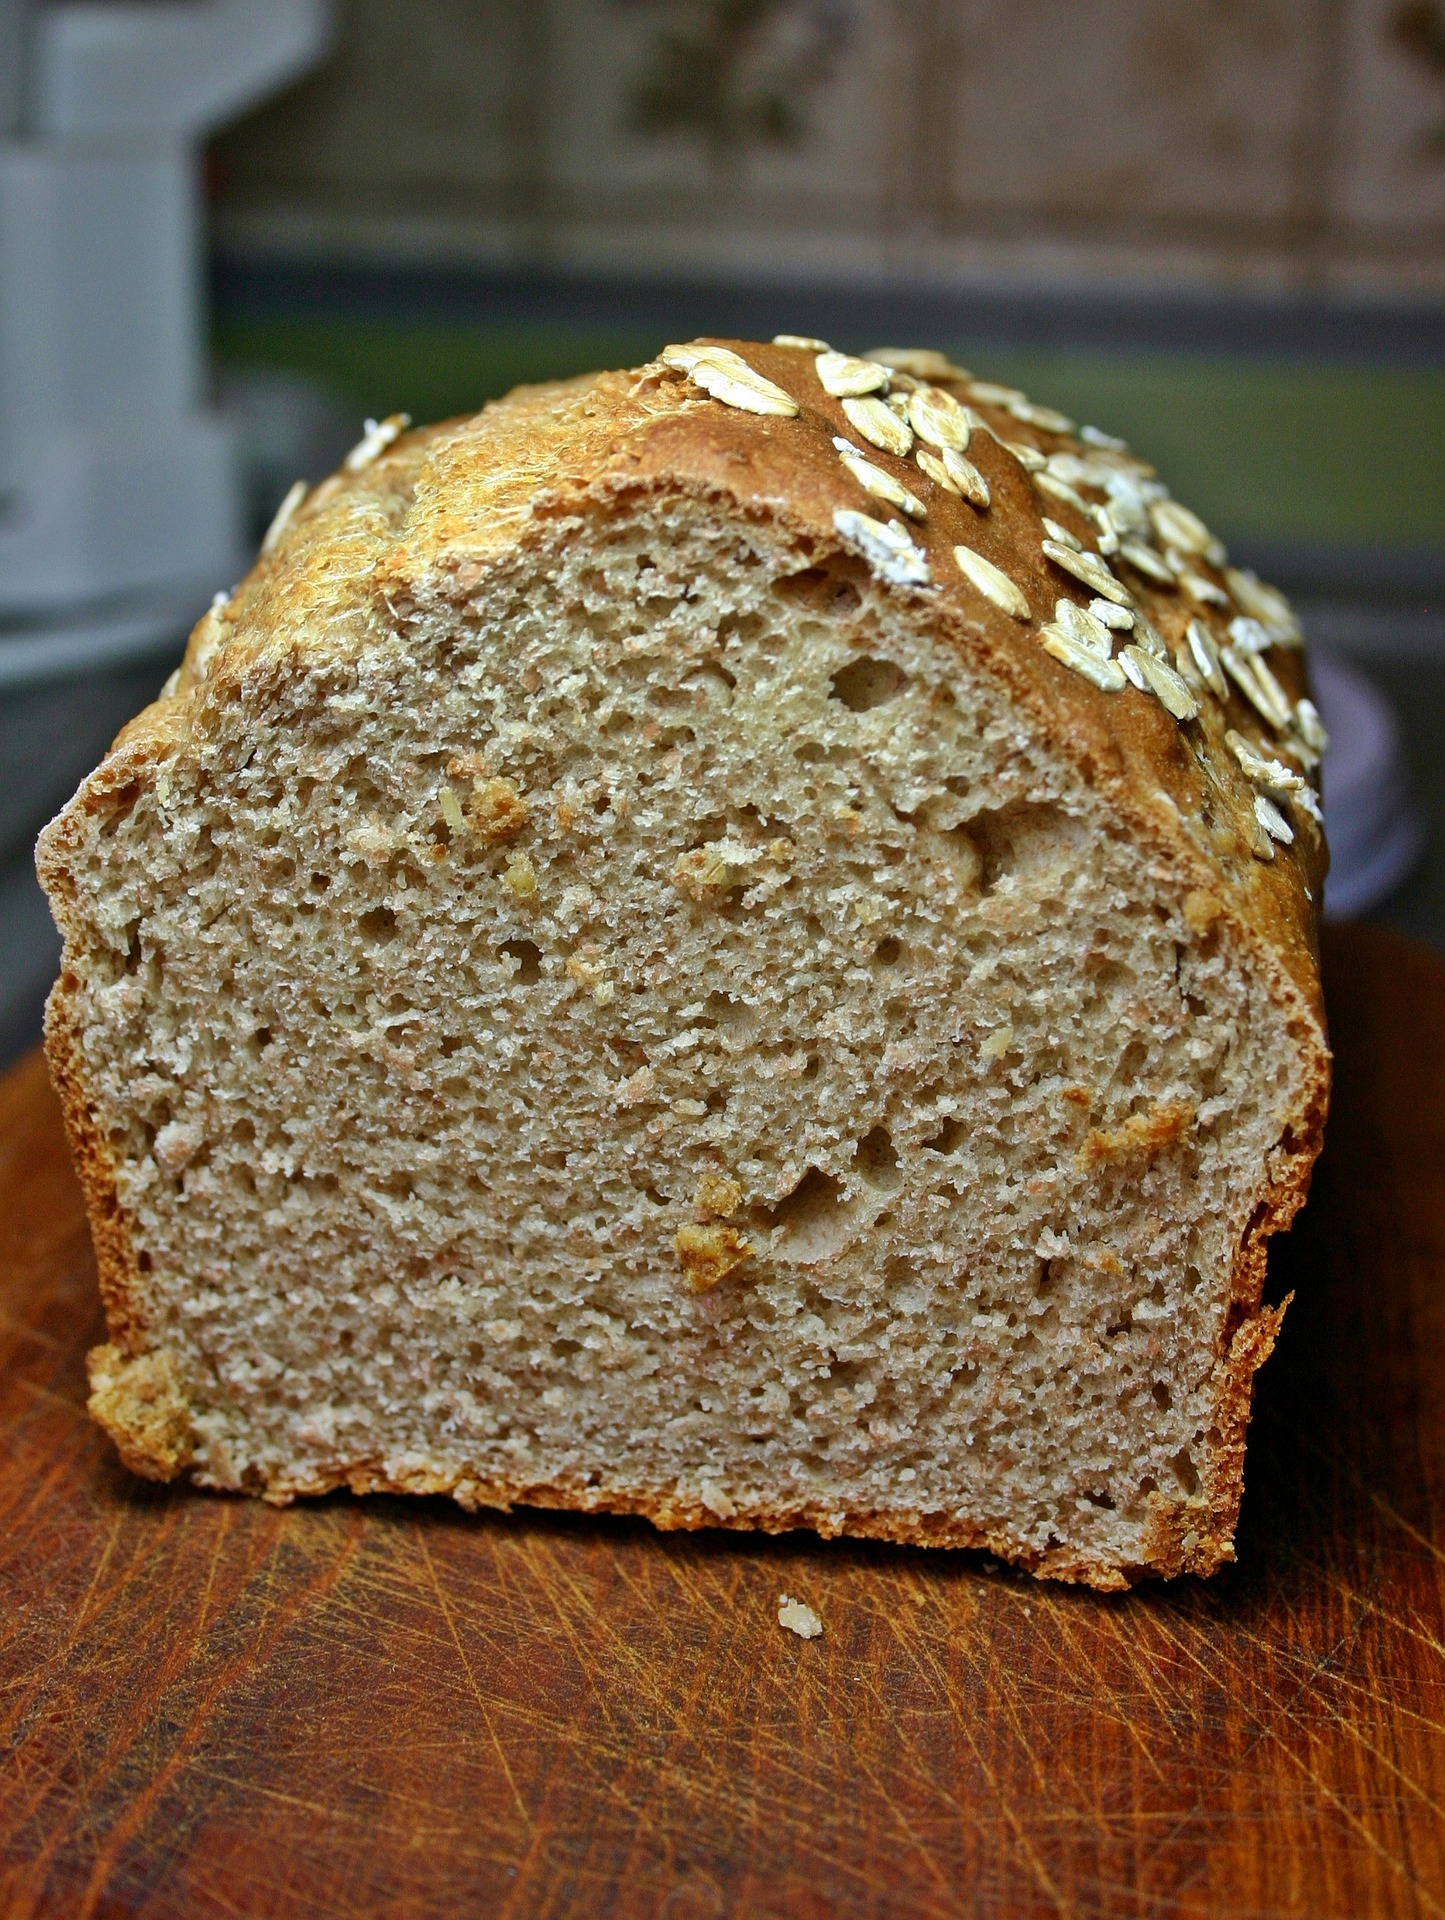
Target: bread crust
{"points": [[440, 509]]}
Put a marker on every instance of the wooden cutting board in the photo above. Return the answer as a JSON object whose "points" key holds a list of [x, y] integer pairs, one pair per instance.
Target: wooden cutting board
{"points": [[363, 1708]]}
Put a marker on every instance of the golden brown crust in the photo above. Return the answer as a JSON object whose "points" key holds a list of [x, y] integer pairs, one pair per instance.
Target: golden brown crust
{"points": [[441, 507], [115, 1258]]}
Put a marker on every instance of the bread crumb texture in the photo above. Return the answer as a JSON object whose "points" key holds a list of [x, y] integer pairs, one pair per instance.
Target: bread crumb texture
{"points": [[591, 990]]}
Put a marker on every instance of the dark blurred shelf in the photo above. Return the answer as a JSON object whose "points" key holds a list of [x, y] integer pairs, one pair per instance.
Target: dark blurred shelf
{"points": [[1191, 320]]}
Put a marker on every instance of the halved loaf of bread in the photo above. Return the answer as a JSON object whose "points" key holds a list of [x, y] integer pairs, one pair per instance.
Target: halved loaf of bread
{"points": [[733, 942]]}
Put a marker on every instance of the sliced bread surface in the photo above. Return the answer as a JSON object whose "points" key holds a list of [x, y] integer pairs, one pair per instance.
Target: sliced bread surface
{"points": [[733, 941]]}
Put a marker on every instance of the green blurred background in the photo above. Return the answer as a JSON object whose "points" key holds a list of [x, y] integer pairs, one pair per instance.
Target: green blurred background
{"points": [[1269, 449]]}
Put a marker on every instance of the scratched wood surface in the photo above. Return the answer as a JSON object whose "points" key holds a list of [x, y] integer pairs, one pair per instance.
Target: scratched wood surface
{"points": [[381, 1708]]}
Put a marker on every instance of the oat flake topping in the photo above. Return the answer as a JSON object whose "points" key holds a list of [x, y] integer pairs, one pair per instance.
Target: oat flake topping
{"points": [[842, 375], [880, 484], [1107, 675], [936, 417], [992, 582], [959, 475], [878, 423]]}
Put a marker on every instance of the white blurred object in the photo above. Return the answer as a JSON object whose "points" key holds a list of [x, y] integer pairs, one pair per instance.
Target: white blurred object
{"points": [[291, 428], [117, 479], [1373, 829]]}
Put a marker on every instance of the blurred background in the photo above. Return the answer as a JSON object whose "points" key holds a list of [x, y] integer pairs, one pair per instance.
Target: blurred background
{"points": [[232, 229]]}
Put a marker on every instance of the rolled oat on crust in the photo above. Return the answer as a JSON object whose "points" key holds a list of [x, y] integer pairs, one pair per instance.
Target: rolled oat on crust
{"points": [[734, 941]]}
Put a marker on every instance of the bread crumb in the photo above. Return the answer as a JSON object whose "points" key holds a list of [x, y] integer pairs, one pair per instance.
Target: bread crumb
{"points": [[798, 1618], [177, 1144], [636, 1087], [584, 967], [708, 1254]]}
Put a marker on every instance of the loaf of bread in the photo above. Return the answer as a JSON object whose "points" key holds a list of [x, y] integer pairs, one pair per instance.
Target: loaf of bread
{"points": [[733, 942]]}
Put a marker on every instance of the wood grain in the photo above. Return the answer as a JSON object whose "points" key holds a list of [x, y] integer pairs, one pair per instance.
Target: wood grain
{"points": [[370, 1708]]}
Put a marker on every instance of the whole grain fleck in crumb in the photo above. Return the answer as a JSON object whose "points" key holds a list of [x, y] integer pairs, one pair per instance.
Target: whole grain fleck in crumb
{"points": [[1143, 1136], [719, 1193], [495, 810], [520, 877], [717, 1499], [998, 1043], [708, 1254], [798, 1618], [1201, 910]]}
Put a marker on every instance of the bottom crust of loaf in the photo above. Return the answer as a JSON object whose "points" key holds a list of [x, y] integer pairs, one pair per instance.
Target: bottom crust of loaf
{"points": [[141, 1405]]}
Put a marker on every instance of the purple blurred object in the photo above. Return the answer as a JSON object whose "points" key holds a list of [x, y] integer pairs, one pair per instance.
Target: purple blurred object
{"points": [[1374, 832]]}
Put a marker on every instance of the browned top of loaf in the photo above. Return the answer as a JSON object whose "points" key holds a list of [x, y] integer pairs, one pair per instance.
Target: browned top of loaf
{"points": [[439, 508]]}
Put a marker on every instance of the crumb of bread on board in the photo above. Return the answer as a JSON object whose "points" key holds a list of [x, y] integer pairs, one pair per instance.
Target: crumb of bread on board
{"points": [[798, 1618]]}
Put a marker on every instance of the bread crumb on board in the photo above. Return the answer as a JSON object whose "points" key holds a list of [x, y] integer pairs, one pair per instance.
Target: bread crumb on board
{"points": [[798, 1618]]}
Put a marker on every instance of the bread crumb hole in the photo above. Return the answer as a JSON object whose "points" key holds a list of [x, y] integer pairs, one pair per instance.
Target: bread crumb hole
{"points": [[1184, 1471], [824, 592], [868, 683], [877, 1159], [378, 925], [889, 951], [528, 957]]}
